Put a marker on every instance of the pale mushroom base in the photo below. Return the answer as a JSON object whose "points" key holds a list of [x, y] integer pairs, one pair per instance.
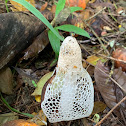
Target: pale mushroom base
{"points": [[70, 96]]}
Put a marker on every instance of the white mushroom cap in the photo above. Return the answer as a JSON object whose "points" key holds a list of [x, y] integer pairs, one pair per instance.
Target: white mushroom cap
{"points": [[70, 54], [69, 94]]}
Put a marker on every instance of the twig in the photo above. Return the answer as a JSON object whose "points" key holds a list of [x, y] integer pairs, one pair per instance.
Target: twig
{"points": [[97, 37], [99, 123], [111, 58], [96, 14], [113, 81]]}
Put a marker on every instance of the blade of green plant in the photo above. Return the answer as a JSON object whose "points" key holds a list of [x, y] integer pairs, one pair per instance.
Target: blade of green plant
{"points": [[38, 15], [72, 9], [33, 82], [14, 110], [54, 41], [72, 28], [6, 5], [60, 5], [53, 62]]}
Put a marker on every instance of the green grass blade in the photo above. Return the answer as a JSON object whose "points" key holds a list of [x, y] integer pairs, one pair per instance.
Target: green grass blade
{"points": [[14, 110], [72, 28], [38, 15], [55, 42], [72, 9], [60, 5], [6, 5]]}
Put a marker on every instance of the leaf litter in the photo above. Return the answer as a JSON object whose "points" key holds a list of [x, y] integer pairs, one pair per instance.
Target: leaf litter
{"points": [[105, 22]]}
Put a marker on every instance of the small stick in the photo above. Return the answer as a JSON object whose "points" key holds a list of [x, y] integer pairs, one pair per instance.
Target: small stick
{"points": [[98, 124], [96, 14]]}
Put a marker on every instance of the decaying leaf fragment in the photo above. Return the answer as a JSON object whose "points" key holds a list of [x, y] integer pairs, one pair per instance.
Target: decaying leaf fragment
{"points": [[19, 7], [110, 92], [20, 122], [39, 118], [37, 46], [120, 77], [106, 90], [6, 79], [41, 83], [98, 107]]}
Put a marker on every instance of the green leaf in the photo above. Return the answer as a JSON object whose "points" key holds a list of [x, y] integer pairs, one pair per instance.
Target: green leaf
{"points": [[53, 62], [38, 15], [72, 28], [72, 9], [60, 5], [54, 41], [6, 5], [111, 43], [33, 82], [96, 118]]}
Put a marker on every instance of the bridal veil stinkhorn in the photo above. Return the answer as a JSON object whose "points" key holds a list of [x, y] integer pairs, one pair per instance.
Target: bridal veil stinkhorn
{"points": [[69, 93]]}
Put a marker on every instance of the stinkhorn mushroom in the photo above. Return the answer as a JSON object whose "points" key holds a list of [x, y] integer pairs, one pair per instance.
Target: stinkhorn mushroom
{"points": [[69, 93]]}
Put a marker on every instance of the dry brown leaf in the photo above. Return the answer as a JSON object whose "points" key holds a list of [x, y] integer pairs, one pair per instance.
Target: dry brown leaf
{"points": [[19, 7], [107, 90], [120, 54], [6, 79], [7, 117], [39, 118], [120, 78], [98, 4], [98, 107], [77, 19], [37, 46], [43, 7], [62, 16], [27, 75], [110, 91], [19, 122]]}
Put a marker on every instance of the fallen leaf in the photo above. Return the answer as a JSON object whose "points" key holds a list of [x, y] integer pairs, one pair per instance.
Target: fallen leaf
{"points": [[38, 98], [43, 7], [62, 16], [6, 79], [98, 107], [93, 60], [96, 118], [19, 7], [37, 46], [77, 3], [28, 76], [111, 91], [120, 54], [120, 78], [39, 118], [7, 117], [19, 122], [41, 83], [107, 90]]}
